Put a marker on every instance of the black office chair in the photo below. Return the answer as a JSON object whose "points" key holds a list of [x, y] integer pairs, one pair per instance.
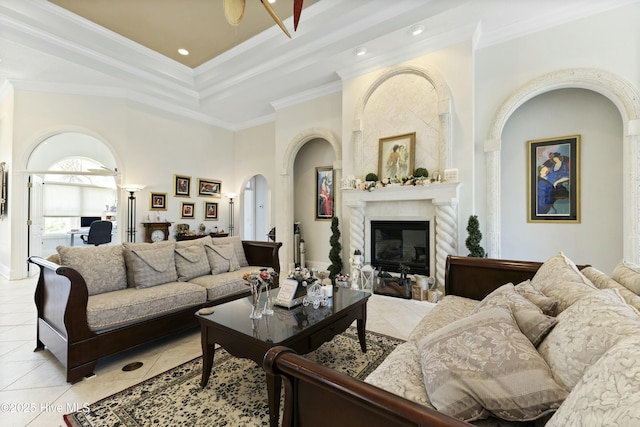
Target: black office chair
{"points": [[99, 233]]}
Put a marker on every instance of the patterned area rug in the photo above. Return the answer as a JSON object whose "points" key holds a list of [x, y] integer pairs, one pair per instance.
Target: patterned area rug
{"points": [[235, 396]]}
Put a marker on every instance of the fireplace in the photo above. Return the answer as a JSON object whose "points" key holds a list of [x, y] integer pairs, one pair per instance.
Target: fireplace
{"points": [[396, 243]]}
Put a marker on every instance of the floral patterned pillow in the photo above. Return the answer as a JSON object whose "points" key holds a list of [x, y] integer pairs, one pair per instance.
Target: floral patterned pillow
{"points": [[560, 279], [609, 392], [483, 365], [549, 306], [533, 323], [628, 275], [585, 331]]}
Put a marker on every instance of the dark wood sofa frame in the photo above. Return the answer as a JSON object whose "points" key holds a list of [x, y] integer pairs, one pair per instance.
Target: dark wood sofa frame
{"points": [[61, 300], [316, 395]]}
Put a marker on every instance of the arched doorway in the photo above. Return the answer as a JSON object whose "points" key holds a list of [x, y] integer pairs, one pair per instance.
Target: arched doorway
{"points": [[256, 211], [72, 176]]}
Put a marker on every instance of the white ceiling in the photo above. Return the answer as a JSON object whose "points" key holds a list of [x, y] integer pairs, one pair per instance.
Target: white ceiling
{"points": [[48, 48]]}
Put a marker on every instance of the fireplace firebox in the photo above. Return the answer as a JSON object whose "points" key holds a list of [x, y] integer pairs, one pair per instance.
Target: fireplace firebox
{"points": [[396, 243]]}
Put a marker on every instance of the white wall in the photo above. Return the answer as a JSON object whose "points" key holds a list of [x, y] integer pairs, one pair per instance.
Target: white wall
{"points": [[597, 238], [6, 150]]}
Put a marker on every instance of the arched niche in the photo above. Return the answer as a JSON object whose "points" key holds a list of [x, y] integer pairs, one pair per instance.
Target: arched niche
{"points": [[404, 100], [627, 100], [285, 217]]}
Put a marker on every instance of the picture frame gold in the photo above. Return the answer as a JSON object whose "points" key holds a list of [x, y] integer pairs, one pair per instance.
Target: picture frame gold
{"points": [[181, 186], [209, 188], [210, 211], [187, 210], [157, 201], [396, 156], [553, 180]]}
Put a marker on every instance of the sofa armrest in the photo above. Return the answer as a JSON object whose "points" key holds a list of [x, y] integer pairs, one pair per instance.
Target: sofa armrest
{"points": [[61, 299], [264, 254], [314, 392]]}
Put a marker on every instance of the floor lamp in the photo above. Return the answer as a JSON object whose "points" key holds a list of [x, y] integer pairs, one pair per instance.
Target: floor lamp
{"points": [[131, 210], [231, 196]]}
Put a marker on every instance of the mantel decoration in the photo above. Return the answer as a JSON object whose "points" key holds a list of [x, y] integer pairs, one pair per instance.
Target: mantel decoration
{"points": [[260, 281], [234, 12], [396, 156]]}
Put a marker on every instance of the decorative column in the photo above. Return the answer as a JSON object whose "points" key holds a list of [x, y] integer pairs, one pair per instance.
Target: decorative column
{"points": [[446, 235], [492, 238], [356, 236]]}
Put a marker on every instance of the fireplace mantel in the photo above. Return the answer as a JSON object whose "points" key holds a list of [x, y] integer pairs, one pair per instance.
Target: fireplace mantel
{"points": [[443, 196]]}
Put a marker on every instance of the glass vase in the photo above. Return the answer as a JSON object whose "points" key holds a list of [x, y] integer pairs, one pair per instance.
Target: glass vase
{"points": [[268, 304], [256, 312]]}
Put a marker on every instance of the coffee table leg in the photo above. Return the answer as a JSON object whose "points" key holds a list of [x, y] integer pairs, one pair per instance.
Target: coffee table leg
{"points": [[362, 321], [208, 350], [274, 383]]}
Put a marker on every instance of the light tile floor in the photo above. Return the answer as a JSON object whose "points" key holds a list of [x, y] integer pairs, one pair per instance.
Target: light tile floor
{"points": [[33, 390]]}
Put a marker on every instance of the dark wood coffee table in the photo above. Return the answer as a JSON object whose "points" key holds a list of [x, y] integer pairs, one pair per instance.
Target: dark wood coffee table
{"points": [[302, 329]]}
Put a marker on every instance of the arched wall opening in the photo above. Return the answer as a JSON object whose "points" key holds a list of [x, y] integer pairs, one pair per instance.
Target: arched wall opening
{"points": [[626, 99]]}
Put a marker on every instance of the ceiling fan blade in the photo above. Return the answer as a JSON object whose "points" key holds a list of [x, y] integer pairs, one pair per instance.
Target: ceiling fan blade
{"points": [[275, 17], [297, 10], [234, 11]]}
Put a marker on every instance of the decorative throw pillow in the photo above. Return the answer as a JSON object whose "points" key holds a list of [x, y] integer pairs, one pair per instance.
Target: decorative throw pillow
{"points": [[236, 242], [150, 264], [102, 267], [533, 323], [628, 275], [585, 331], [222, 258], [609, 392], [549, 306], [560, 279], [483, 365], [191, 260], [602, 281]]}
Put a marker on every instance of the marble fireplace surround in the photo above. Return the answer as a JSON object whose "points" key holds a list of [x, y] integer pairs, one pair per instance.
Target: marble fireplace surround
{"points": [[436, 203]]}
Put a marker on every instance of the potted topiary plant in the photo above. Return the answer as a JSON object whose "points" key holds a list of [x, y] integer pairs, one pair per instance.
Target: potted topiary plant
{"points": [[371, 177], [475, 236], [336, 250]]}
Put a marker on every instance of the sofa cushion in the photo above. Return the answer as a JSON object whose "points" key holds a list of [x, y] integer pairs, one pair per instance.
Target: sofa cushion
{"points": [[448, 310], [400, 373], [609, 392], [602, 281], [222, 258], [560, 279], [628, 275], [191, 259], [223, 284], [585, 331], [533, 323], [549, 306], [483, 365], [236, 242], [150, 264], [129, 306], [102, 267]]}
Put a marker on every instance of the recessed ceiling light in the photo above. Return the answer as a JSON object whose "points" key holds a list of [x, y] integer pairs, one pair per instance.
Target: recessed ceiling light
{"points": [[183, 52], [416, 29], [360, 50]]}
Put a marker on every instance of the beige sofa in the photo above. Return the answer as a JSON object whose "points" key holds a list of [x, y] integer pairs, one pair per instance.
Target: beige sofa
{"points": [[561, 349], [95, 301]]}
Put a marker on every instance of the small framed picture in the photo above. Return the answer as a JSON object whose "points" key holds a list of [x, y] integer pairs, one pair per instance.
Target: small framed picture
{"points": [[325, 197], [188, 210], [211, 211], [181, 186], [396, 156], [553, 174], [209, 188], [157, 201]]}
